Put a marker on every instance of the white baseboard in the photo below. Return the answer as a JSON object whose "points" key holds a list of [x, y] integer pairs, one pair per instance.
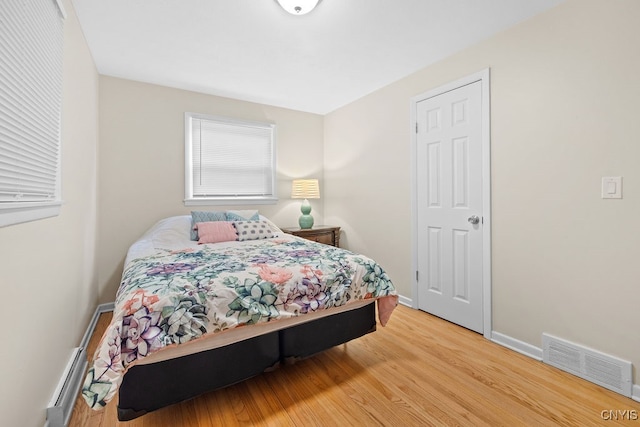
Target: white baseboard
{"points": [[636, 393], [517, 345], [102, 308], [501, 339], [405, 301]]}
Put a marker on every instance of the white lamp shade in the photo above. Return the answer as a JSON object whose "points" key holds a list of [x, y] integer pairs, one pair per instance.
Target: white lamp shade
{"points": [[298, 7], [305, 189]]}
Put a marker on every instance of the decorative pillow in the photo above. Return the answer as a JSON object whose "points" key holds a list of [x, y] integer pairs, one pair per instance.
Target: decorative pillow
{"points": [[253, 230], [215, 232], [244, 215], [204, 216]]}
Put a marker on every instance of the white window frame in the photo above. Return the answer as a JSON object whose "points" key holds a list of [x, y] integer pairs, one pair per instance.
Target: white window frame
{"points": [[31, 115], [195, 200]]}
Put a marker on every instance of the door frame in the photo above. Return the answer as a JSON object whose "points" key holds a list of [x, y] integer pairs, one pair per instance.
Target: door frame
{"points": [[484, 77]]}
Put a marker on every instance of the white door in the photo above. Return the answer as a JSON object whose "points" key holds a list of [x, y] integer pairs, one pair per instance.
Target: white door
{"points": [[449, 186]]}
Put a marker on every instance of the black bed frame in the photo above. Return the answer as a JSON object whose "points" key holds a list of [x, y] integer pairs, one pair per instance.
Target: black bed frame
{"points": [[146, 388]]}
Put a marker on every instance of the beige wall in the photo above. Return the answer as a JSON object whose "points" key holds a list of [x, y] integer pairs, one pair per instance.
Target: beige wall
{"points": [[142, 162], [564, 105], [563, 115], [48, 271]]}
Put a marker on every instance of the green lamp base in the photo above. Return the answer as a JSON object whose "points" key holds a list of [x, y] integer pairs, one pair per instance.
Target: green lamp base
{"points": [[305, 221]]}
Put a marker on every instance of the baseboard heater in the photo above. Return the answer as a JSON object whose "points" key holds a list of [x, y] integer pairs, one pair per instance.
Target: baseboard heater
{"points": [[599, 368], [64, 397]]}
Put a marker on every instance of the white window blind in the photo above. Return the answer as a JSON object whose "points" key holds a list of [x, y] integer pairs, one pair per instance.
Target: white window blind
{"points": [[229, 161], [31, 55]]}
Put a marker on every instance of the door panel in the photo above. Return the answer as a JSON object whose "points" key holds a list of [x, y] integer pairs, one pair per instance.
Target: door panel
{"points": [[449, 191], [434, 237]]}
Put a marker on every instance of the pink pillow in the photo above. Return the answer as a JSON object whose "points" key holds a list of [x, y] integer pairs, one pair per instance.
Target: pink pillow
{"points": [[215, 231]]}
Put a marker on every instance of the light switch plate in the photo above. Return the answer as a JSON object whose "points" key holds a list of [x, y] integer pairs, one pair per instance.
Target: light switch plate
{"points": [[612, 187]]}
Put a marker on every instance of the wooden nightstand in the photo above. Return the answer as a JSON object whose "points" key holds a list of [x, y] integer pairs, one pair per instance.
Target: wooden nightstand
{"points": [[318, 233]]}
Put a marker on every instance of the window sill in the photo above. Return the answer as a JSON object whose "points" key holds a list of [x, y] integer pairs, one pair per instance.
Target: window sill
{"points": [[16, 213], [231, 201]]}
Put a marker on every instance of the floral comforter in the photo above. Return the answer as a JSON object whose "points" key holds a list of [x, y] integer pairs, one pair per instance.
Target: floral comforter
{"points": [[176, 296]]}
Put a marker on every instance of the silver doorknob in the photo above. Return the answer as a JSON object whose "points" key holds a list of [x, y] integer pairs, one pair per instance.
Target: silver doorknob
{"points": [[474, 219]]}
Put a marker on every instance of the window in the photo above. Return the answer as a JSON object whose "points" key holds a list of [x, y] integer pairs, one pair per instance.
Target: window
{"points": [[229, 161], [31, 54]]}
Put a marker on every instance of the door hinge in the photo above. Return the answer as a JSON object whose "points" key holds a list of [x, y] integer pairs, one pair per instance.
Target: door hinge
{"points": [[416, 127], [416, 275]]}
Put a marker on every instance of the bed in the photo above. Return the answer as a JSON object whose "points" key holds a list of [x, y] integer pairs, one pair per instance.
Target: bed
{"points": [[213, 298]]}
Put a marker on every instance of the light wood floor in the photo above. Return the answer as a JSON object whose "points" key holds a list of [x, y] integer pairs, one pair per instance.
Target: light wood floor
{"points": [[417, 371]]}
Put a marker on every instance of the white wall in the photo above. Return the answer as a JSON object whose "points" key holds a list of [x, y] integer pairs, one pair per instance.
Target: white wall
{"points": [[142, 162], [48, 271], [564, 107]]}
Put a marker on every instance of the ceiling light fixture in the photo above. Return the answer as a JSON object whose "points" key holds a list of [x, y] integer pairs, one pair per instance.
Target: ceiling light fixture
{"points": [[298, 7]]}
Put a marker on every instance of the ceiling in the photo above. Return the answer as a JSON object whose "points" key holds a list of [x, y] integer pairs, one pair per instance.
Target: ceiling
{"points": [[255, 51]]}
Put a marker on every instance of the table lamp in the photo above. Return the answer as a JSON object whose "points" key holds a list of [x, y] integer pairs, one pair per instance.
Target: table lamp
{"points": [[305, 189]]}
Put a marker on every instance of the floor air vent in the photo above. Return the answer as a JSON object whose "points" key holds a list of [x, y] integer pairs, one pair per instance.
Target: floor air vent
{"points": [[602, 369]]}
